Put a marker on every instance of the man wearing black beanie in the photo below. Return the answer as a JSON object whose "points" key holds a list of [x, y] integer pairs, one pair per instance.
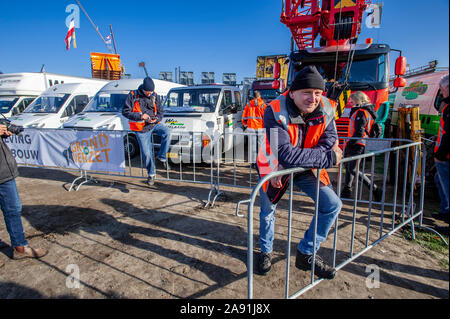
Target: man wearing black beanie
{"points": [[144, 111], [301, 131]]}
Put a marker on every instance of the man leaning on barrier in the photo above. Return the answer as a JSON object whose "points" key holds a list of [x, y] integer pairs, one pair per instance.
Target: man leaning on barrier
{"points": [[10, 202], [144, 111], [300, 127]]}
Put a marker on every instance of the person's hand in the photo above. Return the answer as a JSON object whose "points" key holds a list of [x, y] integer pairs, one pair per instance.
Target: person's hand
{"points": [[152, 120], [4, 130], [145, 117], [276, 181], [337, 150]]}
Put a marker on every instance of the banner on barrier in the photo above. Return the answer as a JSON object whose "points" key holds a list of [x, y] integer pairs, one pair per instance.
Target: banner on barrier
{"points": [[85, 150]]}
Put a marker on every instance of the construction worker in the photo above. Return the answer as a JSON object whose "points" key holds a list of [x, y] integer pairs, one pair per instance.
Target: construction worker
{"points": [[253, 116], [362, 117], [253, 122], [441, 152], [300, 127], [144, 111]]}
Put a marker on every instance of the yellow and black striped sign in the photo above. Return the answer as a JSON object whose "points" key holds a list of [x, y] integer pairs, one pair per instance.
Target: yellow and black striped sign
{"points": [[342, 102]]}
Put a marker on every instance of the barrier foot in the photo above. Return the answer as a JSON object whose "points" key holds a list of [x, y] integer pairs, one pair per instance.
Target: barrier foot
{"points": [[86, 177], [239, 204]]}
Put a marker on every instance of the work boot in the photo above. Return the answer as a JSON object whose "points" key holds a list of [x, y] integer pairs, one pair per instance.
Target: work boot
{"points": [[21, 252], [164, 163], [264, 263], [321, 269], [346, 192], [150, 181]]}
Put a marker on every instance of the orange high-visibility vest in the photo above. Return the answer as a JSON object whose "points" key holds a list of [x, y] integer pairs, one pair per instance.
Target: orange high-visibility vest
{"points": [[253, 116], [367, 128], [441, 132], [267, 162], [138, 125]]}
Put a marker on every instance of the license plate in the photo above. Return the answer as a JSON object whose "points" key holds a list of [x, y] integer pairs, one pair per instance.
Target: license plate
{"points": [[172, 155]]}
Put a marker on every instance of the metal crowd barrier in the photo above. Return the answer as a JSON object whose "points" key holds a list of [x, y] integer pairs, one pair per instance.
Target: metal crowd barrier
{"points": [[403, 212]]}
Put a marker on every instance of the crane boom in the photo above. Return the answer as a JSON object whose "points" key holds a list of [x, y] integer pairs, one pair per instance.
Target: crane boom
{"points": [[337, 21]]}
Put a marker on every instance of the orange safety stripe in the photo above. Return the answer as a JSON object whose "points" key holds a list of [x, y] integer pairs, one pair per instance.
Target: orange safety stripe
{"points": [[441, 132]]}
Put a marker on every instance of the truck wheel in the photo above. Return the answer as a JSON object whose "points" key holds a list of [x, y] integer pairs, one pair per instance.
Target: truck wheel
{"points": [[132, 147]]}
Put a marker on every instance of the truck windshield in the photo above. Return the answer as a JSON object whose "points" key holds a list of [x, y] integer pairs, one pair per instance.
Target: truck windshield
{"points": [[107, 102], [192, 100], [6, 103], [47, 104], [365, 69]]}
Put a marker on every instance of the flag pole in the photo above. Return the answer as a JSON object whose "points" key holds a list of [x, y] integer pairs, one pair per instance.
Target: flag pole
{"points": [[95, 27], [113, 39]]}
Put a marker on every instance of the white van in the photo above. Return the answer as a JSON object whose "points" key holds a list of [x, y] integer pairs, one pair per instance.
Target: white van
{"points": [[104, 111], [53, 107], [213, 109], [18, 90], [421, 90]]}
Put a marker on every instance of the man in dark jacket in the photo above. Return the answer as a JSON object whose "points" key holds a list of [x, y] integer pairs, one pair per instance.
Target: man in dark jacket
{"points": [[301, 129], [362, 117], [10, 202], [143, 109], [441, 152]]}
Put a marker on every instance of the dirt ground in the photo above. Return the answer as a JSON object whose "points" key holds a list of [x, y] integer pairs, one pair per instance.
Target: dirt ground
{"points": [[128, 240]]}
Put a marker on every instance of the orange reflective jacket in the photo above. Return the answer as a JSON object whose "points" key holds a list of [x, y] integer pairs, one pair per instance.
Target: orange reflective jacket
{"points": [[267, 161], [253, 116], [138, 125], [441, 132], [367, 128]]}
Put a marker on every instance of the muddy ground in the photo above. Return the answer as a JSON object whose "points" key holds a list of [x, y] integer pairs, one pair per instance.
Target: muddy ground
{"points": [[132, 241]]}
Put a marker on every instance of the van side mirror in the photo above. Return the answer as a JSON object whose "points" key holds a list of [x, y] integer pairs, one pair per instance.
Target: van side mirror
{"points": [[276, 70], [400, 65]]}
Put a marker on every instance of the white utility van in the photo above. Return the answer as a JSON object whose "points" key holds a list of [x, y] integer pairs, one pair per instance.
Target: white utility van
{"points": [[421, 90], [18, 90], [53, 107], [212, 109], [104, 111]]}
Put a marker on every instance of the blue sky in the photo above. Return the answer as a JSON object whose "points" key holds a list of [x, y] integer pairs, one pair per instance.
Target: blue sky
{"points": [[199, 36]]}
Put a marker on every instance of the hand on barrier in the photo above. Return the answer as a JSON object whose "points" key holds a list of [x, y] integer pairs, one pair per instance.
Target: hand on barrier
{"points": [[4, 130], [276, 181], [337, 150]]}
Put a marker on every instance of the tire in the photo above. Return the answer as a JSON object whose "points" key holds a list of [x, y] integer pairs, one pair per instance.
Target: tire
{"points": [[132, 147]]}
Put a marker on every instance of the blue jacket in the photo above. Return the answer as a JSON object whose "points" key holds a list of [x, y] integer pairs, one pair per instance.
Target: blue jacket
{"points": [[290, 156]]}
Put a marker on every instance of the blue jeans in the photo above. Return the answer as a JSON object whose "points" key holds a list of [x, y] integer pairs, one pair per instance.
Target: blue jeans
{"points": [[329, 207], [441, 181], [146, 146], [12, 208]]}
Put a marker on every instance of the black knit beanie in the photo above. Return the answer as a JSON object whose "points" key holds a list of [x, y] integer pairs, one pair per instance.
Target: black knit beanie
{"points": [[148, 84], [308, 78]]}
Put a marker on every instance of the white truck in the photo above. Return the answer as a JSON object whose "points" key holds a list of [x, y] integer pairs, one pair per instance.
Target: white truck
{"points": [[53, 107], [18, 90], [104, 111], [190, 111]]}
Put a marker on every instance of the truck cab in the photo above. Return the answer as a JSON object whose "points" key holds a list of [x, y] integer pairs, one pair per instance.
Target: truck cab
{"points": [[104, 111], [54, 107], [190, 111]]}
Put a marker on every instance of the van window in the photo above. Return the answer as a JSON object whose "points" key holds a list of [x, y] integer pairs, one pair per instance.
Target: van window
{"points": [[70, 109], [237, 97], [80, 103], [50, 82], [227, 99]]}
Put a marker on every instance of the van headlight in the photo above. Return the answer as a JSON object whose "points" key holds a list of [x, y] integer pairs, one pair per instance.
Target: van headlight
{"points": [[36, 125], [106, 127]]}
